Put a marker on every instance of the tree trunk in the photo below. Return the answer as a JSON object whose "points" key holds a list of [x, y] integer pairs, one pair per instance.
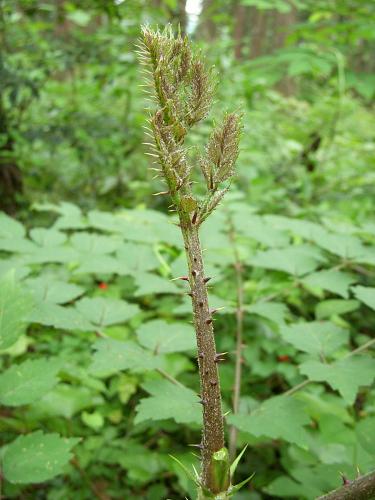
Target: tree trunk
{"points": [[207, 28], [283, 24], [10, 174], [258, 22], [240, 28]]}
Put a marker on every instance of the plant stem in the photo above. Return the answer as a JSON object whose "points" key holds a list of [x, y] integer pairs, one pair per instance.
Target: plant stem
{"points": [[239, 331], [213, 426], [362, 488]]}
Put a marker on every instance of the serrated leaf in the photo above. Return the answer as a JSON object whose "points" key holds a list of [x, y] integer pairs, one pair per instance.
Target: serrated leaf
{"points": [[64, 400], [328, 308], [94, 244], [10, 228], [162, 337], [46, 255], [18, 245], [36, 457], [47, 237], [15, 306], [113, 355], [135, 257], [346, 246], [168, 400], [346, 375], [366, 295], [275, 311], [66, 318], [257, 229], [297, 260], [49, 290], [315, 337], [365, 431], [306, 229], [104, 312], [27, 382], [280, 417], [333, 281], [148, 283], [98, 264]]}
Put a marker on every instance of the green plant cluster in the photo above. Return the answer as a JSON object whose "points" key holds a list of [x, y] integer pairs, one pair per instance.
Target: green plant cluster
{"points": [[98, 383]]}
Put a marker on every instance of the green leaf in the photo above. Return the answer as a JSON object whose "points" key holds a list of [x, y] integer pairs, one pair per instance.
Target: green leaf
{"points": [[297, 260], [50, 290], [346, 375], [98, 264], [280, 417], [18, 245], [104, 312], [275, 311], [346, 246], [306, 229], [163, 337], [315, 337], [168, 400], [366, 295], [36, 457], [94, 244], [257, 229], [27, 382], [64, 400], [47, 237], [328, 308], [135, 257], [15, 306], [233, 489], [148, 283], [94, 420], [10, 228], [66, 318], [236, 461], [46, 255], [112, 356], [333, 281], [365, 431]]}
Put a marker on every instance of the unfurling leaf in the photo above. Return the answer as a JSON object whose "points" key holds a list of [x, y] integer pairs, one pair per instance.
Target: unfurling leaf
{"points": [[222, 151]]}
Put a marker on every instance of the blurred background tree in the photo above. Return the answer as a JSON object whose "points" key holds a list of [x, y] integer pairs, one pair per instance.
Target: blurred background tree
{"points": [[72, 111]]}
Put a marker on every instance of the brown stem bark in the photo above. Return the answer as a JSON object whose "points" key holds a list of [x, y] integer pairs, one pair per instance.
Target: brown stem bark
{"points": [[213, 426], [362, 488]]}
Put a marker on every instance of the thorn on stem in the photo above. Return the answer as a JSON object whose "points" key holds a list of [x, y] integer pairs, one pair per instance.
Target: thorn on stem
{"points": [[161, 193], [183, 278], [219, 357], [216, 309], [200, 446], [206, 280], [345, 480], [208, 321]]}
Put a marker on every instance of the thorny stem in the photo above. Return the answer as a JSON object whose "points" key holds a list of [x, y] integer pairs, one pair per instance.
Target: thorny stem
{"points": [[213, 426], [362, 488], [183, 89], [239, 331]]}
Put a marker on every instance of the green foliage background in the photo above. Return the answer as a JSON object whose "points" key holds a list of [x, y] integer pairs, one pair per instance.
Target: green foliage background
{"points": [[99, 381]]}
